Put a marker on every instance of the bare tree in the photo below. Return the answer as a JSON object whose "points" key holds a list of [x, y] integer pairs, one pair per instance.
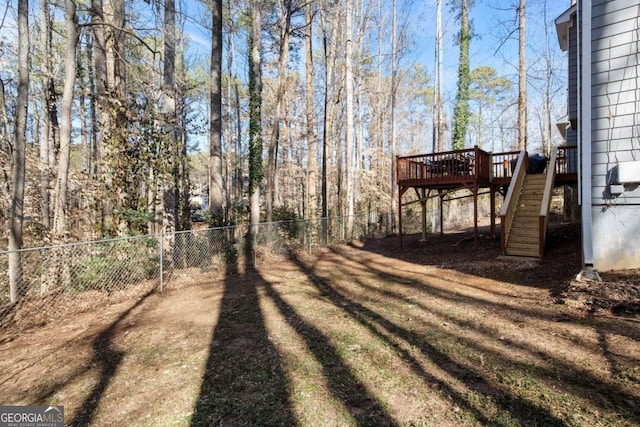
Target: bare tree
{"points": [[394, 78], [48, 110], [439, 80], [60, 205], [286, 11], [329, 48], [255, 125], [215, 133], [16, 215], [522, 77], [5, 133], [349, 129], [108, 18], [461, 113], [311, 148]]}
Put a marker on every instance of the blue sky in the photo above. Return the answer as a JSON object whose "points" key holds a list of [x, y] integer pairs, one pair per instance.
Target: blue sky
{"points": [[492, 21]]}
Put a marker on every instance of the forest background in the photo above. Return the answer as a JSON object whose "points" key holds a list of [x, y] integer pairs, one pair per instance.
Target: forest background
{"points": [[121, 117]]}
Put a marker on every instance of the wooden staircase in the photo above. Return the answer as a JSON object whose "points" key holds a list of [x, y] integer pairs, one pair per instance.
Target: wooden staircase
{"points": [[525, 212], [524, 237]]}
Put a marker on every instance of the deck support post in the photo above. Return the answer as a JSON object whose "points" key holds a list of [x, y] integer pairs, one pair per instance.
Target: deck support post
{"points": [[492, 202], [441, 198], [401, 191], [475, 214], [423, 203]]}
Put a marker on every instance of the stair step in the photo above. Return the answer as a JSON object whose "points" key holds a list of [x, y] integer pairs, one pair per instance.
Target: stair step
{"points": [[526, 223], [524, 238], [523, 242], [530, 217], [517, 252], [527, 213], [529, 247], [529, 206], [523, 232], [523, 248]]}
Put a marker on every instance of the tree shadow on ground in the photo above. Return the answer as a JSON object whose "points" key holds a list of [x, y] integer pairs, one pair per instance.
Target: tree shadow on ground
{"points": [[244, 382], [517, 407], [107, 359], [575, 379], [460, 252], [343, 384]]}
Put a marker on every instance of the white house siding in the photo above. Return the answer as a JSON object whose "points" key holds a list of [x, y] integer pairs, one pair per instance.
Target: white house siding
{"points": [[615, 131]]}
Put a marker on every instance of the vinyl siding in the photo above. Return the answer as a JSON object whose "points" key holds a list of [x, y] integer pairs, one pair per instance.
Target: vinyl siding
{"points": [[615, 100], [615, 131], [572, 101]]}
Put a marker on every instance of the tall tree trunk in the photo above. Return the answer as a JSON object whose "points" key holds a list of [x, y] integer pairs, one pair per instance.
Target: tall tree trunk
{"points": [[100, 114], [327, 128], [170, 182], [461, 113], [312, 210], [16, 216], [349, 130], [5, 133], [109, 19], [440, 82], [380, 98], [116, 89], [332, 153], [215, 134], [45, 124], [547, 93], [283, 57], [255, 125], [238, 158], [60, 205], [93, 137], [85, 141], [522, 78], [184, 180], [230, 172], [394, 187]]}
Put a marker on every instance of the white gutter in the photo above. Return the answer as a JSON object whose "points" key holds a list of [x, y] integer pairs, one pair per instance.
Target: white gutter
{"points": [[584, 129]]}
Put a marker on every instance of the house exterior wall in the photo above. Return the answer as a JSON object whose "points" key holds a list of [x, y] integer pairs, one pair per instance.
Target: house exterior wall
{"points": [[572, 95], [615, 131], [572, 101]]}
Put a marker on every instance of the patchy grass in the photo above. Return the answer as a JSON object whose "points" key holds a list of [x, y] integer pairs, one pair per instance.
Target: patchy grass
{"points": [[435, 335]]}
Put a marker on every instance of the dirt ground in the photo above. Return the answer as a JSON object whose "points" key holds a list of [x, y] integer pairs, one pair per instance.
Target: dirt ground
{"points": [[441, 332]]}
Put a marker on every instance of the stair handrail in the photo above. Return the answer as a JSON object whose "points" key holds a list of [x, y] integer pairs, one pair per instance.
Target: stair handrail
{"points": [[545, 207], [508, 211]]}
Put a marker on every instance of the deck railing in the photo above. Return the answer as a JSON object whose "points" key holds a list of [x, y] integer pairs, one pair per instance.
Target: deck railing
{"points": [[446, 167], [511, 201], [567, 162], [546, 200], [502, 164]]}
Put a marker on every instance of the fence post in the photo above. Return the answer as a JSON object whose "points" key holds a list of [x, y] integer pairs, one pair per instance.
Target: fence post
{"points": [[161, 249]]}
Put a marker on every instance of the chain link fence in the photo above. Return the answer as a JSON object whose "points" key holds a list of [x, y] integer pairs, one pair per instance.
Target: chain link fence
{"points": [[52, 281]]}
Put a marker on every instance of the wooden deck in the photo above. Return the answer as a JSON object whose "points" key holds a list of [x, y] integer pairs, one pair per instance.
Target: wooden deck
{"points": [[473, 168]]}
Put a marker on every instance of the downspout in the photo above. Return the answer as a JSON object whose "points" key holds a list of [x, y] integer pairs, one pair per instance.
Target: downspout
{"points": [[584, 129]]}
